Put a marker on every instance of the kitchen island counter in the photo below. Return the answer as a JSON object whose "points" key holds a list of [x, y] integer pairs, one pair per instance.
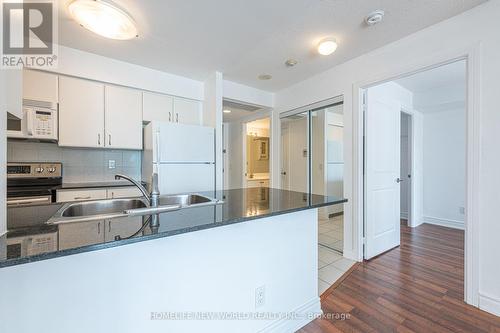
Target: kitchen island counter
{"points": [[239, 205]]}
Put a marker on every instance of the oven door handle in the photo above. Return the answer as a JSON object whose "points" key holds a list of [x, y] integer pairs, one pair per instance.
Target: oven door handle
{"points": [[14, 202]]}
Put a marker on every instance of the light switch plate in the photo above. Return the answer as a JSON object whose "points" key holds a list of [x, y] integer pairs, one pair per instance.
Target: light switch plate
{"points": [[111, 164]]}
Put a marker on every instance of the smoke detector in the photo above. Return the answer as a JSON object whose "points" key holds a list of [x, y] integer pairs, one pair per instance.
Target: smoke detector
{"points": [[374, 17]]}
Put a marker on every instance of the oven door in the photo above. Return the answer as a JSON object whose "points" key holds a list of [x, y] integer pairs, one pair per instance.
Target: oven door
{"points": [[29, 201]]}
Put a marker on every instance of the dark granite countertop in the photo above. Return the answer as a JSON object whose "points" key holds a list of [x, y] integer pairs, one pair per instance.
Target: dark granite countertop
{"points": [[240, 205], [75, 186]]}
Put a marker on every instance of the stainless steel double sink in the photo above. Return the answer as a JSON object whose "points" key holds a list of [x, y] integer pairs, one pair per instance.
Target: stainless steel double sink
{"points": [[116, 208]]}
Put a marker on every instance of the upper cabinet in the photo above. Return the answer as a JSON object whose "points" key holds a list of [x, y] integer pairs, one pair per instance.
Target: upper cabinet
{"points": [[95, 115], [30, 85], [187, 111], [171, 109], [123, 118], [157, 107], [81, 113], [40, 87]]}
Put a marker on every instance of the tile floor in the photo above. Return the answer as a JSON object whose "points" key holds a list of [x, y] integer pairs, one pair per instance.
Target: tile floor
{"points": [[331, 266], [331, 232]]}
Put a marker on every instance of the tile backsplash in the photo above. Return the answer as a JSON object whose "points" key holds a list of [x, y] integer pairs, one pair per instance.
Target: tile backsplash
{"points": [[79, 164]]}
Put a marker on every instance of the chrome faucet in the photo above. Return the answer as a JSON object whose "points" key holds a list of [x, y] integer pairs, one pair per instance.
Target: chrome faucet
{"points": [[153, 197]]}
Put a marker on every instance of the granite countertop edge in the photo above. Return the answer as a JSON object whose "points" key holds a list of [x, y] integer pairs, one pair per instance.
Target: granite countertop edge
{"points": [[102, 246]]}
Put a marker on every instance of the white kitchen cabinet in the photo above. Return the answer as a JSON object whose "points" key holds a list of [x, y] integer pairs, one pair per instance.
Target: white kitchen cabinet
{"points": [[157, 107], [80, 195], [123, 118], [73, 235], [123, 192], [187, 111], [40, 86], [81, 113]]}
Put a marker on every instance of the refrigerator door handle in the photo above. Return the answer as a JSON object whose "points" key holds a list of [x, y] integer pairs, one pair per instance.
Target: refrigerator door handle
{"points": [[158, 151]]}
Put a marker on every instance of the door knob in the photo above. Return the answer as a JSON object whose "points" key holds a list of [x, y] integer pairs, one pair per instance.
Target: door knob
{"points": [[399, 180], [283, 173]]}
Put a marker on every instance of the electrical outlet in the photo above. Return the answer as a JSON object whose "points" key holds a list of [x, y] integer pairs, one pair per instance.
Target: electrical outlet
{"points": [[461, 210], [260, 296], [111, 164]]}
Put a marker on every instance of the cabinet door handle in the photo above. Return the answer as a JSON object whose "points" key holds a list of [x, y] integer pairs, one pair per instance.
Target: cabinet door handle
{"points": [[99, 228], [109, 226], [109, 141], [177, 117], [99, 139], [169, 116], [83, 198]]}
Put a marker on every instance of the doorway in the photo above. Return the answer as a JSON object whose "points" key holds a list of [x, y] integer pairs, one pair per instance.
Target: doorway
{"points": [[415, 157], [246, 145], [256, 156]]}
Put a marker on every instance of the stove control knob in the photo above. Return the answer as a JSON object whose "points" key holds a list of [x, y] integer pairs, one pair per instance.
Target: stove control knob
{"points": [[39, 169]]}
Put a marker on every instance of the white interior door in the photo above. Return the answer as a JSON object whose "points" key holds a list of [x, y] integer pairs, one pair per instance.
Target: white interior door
{"points": [[382, 169]]}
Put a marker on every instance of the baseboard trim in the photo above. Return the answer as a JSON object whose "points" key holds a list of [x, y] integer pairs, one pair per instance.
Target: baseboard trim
{"points": [[304, 314], [444, 222], [489, 304]]}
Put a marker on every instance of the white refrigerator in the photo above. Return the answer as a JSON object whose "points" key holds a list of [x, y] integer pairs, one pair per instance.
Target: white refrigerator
{"points": [[182, 155]]}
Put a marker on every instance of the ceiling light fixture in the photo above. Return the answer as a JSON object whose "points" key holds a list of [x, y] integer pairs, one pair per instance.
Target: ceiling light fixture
{"points": [[226, 111], [265, 77], [374, 17], [103, 18], [327, 46], [291, 62]]}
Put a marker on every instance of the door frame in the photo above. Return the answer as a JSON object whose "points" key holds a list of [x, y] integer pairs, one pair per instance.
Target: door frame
{"points": [[412, 215], [471, 55]]}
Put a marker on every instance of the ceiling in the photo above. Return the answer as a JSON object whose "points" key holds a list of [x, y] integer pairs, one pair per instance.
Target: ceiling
{"points": [[243, 39]]}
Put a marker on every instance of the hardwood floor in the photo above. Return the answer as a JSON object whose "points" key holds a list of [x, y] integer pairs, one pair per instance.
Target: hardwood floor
{"points": [[417, 287]]}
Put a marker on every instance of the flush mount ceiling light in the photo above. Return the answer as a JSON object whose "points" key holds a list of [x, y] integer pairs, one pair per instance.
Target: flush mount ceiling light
{"points": [[226, 111], [327, 46], [264, 77], [291, 62], [103, 18], [374, 17]]}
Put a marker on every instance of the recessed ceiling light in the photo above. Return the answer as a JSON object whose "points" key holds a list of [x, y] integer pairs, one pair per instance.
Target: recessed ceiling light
{"points": [[327, 46], [265, 77], [226, 111], [374, 17], [103, 18], [291, 62]]}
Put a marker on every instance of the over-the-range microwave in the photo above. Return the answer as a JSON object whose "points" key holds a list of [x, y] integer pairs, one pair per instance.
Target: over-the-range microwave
{"points": [[36, 123]]}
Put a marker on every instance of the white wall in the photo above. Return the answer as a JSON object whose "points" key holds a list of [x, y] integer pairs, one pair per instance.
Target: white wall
{"points": [[249, 95], [88, 65], [478, 26], [234, 144], [444, 167], [214, 270]]}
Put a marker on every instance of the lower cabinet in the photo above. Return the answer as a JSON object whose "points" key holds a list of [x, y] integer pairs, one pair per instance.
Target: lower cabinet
{"points": [[123, 227], [73, 235], [78, 234]]}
